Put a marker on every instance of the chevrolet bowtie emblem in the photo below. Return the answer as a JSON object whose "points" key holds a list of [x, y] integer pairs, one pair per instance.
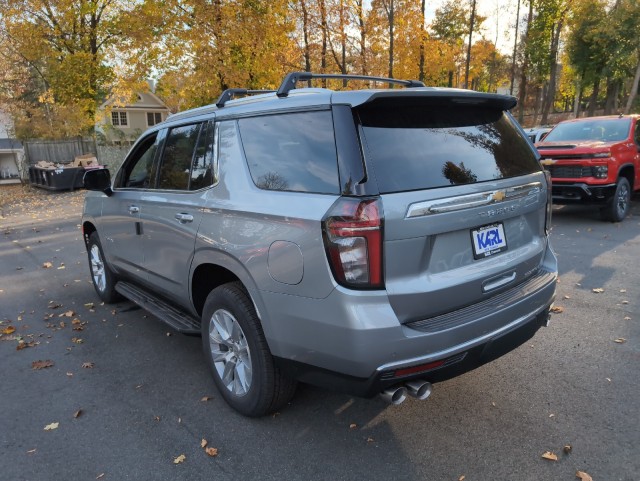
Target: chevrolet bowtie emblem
{"points": [[498, 196]]}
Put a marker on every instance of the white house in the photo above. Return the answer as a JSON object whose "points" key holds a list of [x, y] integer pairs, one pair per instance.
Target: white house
{"points": [[122, 125], [11, 152]]}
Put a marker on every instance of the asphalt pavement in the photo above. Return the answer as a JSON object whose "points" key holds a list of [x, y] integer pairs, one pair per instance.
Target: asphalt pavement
{"points": [[91, 391]]}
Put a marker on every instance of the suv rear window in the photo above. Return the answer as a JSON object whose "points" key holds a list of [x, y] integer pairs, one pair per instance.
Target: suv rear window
{"points": [[415, 147]]}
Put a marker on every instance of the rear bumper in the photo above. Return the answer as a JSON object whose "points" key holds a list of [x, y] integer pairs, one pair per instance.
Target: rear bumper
{"points": [[452, 366], [353, 342], [579, 192]]}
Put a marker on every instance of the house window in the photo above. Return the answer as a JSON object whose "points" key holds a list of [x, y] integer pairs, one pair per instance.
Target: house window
{"points": [[119, 118], [153, 118]]}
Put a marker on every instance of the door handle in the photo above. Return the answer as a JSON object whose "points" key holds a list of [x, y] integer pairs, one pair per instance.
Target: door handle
{"points": [[184, 218], [134, 209]]}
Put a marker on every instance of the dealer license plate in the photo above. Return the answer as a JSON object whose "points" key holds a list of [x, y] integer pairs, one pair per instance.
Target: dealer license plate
{"points": [[488, 240]]}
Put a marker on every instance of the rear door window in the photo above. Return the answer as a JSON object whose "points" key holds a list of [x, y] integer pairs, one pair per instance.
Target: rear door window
{"points": [[177, 156], [413, 147], [292, 152]]}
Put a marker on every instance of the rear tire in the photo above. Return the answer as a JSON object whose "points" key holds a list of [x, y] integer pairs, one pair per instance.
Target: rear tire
{"points": [[238, 356], [104, 280], [618, 207]]}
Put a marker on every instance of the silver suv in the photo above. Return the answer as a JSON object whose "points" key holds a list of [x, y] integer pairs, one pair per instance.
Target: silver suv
{"points": [[367, 241]]}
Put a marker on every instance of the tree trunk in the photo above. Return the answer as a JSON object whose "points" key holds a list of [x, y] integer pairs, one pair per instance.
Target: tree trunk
{"points": [[634, 88], [515, 49], [391, 16], [471, 25], [594, 98], [612, 95], [363, 33], [323, 52], [553, 57], [305, 34], [422, 42], [522, 88]]}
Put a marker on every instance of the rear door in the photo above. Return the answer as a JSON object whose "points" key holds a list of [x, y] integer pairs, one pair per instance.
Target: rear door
{"points": [[464, 203], [172, 212]]}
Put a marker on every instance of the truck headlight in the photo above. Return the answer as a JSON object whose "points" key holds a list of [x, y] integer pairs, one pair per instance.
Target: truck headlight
{"points": [[600, 171]]}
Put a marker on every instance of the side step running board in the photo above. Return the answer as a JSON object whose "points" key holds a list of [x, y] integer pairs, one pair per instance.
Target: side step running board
{"points": [[178, 320]]}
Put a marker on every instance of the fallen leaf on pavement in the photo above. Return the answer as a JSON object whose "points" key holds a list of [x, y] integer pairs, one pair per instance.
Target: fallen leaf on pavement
{"points": [[211, 451], [206, 398], [203, 443], [8, 330], [627, 318], [557, 309], [623, 290], [87, 365], [51, 426], [567, 449], [31, 451], [583, 476], [89, 305], [41, 364], [353, 426], [462, 478], [620, 340], [47, 265], [76, 340], [78, 413], [100, 476], [550, 456], [598, 290], [67, 314], [179, 459]]}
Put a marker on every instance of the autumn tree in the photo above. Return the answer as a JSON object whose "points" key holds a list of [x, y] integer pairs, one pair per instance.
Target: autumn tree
{"points": [[64, 47]]}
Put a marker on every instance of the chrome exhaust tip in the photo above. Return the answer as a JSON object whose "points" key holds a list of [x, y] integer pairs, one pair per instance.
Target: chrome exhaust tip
{"points": [[419, 389], [394, 395]]}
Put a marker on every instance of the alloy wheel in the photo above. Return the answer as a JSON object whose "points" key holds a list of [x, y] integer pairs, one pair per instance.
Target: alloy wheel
{"points": [[230, 352]]}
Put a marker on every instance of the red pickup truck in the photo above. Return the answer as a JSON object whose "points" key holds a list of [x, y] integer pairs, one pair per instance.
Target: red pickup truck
{"points": [[594, 160]]}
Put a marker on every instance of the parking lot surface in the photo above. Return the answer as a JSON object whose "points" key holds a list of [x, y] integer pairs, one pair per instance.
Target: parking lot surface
{"points": [[92, 391]]}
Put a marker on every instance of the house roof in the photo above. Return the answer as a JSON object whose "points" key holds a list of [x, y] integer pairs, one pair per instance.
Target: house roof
{"points": [[10, 144], [146, 100]]}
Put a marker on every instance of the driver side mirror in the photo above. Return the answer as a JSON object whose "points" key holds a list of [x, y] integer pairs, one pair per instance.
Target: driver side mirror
{"points": [[98, 180]]}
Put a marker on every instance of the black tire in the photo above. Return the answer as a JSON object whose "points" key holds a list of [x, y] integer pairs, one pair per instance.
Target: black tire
{"points": [[244, 371], [104, 280], [618, 207]]}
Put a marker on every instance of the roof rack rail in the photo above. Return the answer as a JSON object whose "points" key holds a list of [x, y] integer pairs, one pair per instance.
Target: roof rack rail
{"points": [[289, 82], [229, 94]]}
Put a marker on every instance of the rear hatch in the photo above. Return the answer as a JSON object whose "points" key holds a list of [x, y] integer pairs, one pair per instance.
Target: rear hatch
{"points": [[464, 201]]}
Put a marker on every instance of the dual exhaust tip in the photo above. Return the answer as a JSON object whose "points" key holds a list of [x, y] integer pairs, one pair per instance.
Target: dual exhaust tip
{"points": [[397, 394]]}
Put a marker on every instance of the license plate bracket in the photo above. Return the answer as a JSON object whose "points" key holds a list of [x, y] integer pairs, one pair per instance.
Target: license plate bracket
{"points": [[488, 240]]}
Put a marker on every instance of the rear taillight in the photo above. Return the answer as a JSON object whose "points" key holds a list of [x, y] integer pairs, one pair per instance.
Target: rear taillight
{"points": [[547, 217], [353, 238]]}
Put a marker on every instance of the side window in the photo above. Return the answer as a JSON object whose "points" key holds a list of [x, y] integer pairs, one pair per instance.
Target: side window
{"points": [[293, 152], [176, 157], [202, 171], [137, 171]]}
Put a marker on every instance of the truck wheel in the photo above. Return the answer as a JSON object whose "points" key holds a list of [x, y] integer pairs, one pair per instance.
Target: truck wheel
{"points": [[618, 207], [104, 280], [238, 355]]}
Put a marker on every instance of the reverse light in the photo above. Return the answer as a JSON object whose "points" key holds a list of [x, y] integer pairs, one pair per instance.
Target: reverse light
{"points": [[353, 238]]}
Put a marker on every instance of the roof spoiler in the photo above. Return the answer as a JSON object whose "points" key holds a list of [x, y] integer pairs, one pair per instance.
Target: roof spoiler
{"points": [[289, 82], [453, 96]]}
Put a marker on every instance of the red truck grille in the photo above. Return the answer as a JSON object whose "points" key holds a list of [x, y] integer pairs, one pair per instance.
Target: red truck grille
{"points": [[569, 171]]}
